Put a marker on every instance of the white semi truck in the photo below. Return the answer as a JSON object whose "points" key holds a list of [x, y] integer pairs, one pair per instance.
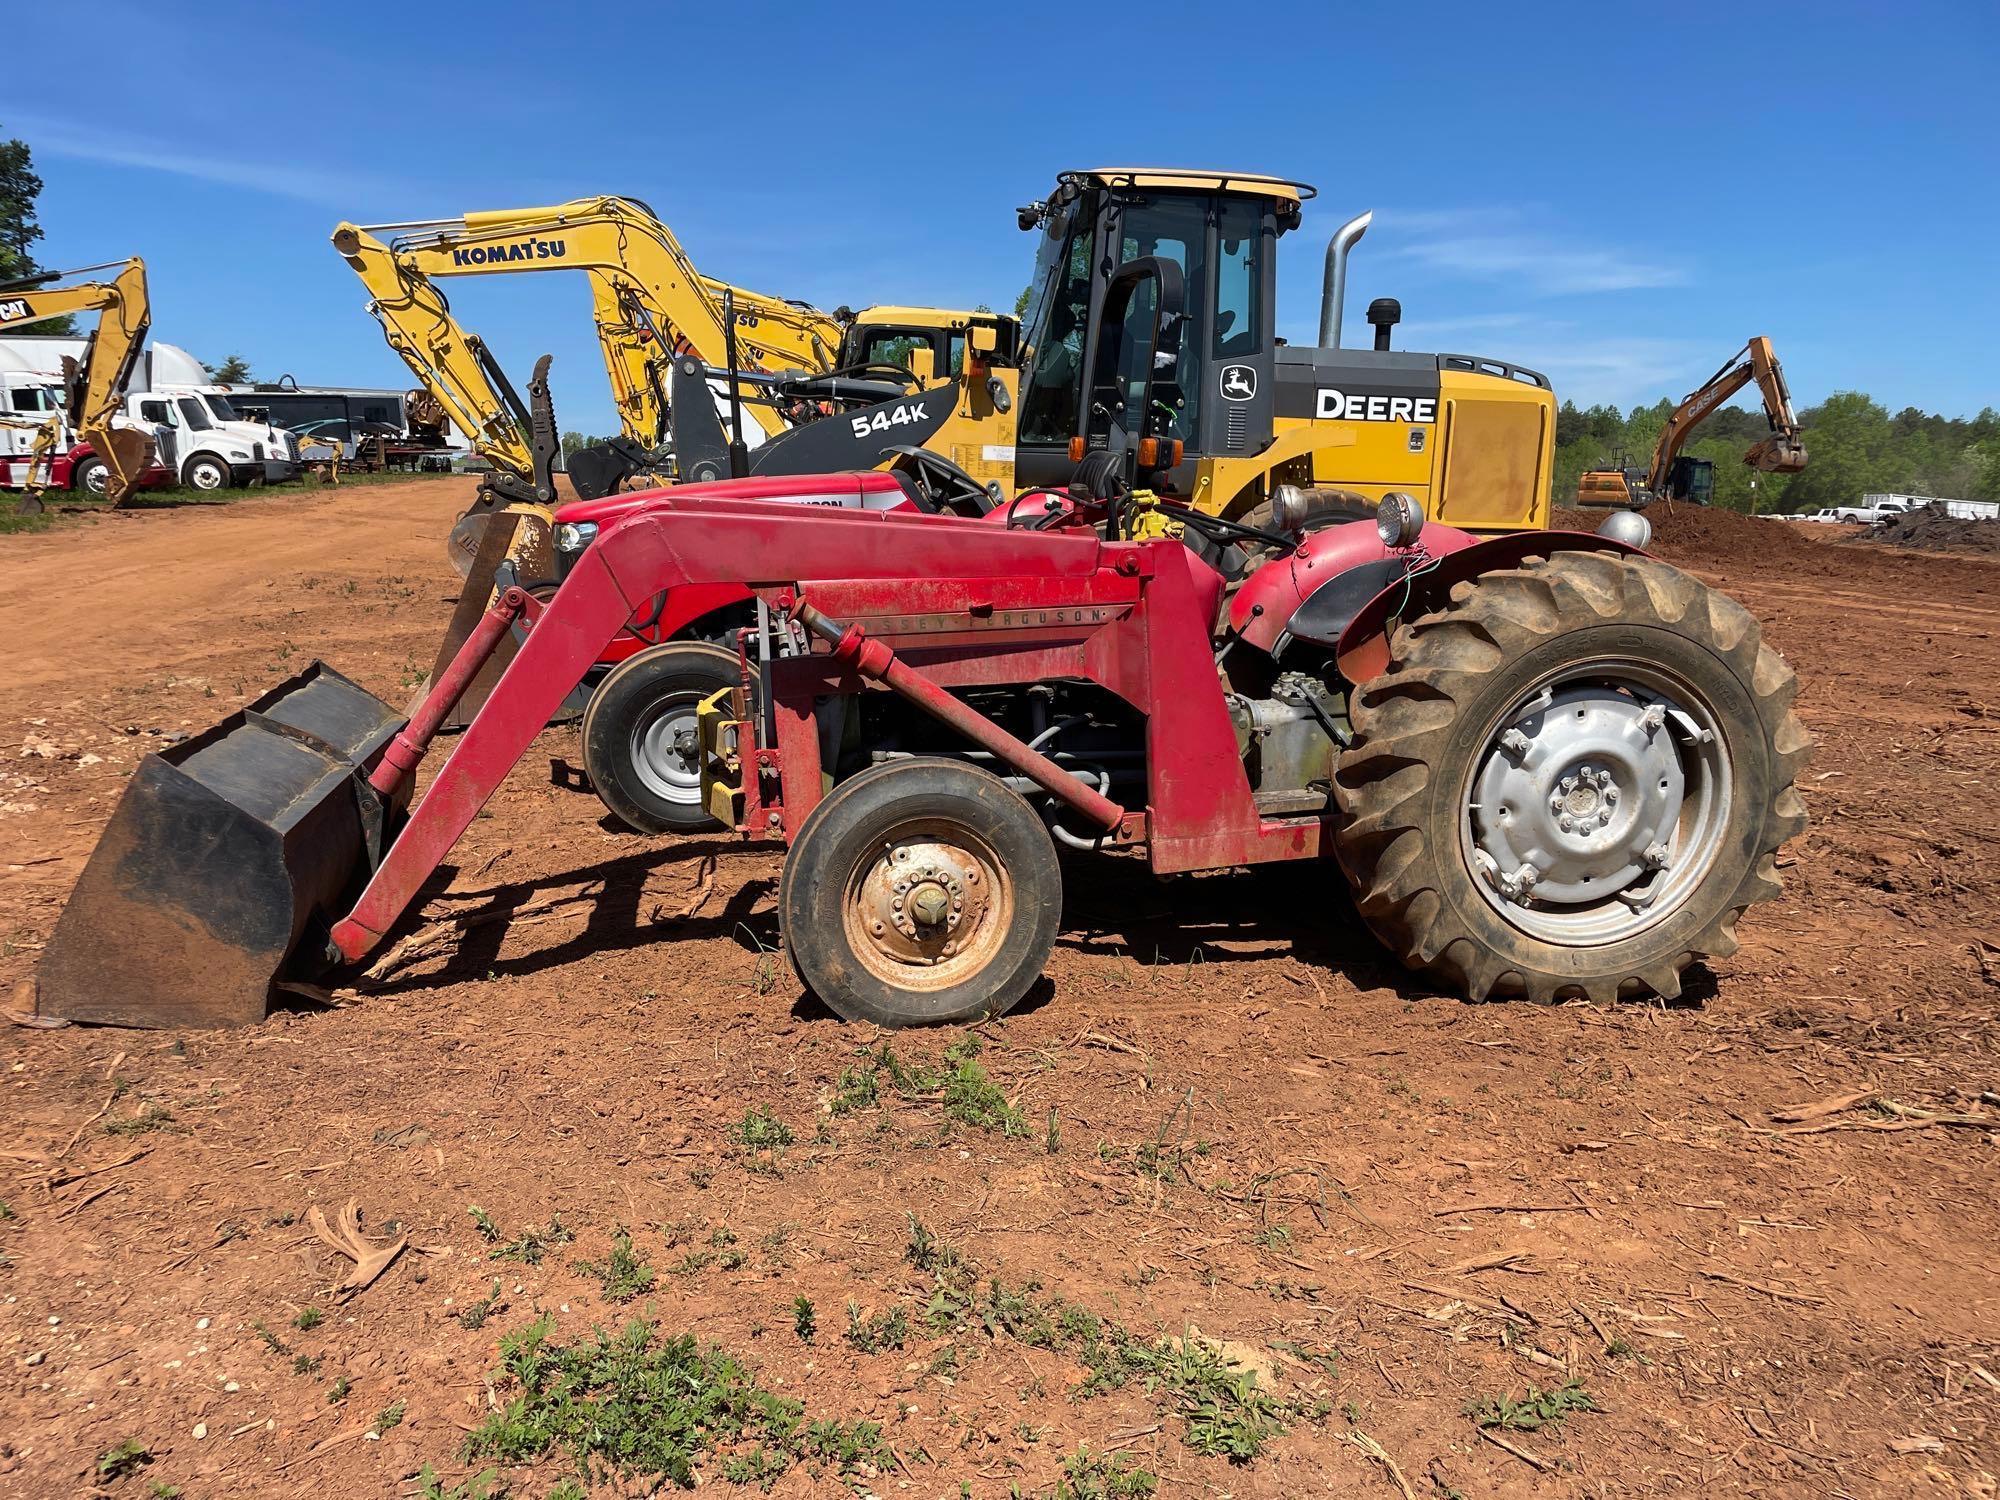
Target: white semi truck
{"points": [[213, 447]]}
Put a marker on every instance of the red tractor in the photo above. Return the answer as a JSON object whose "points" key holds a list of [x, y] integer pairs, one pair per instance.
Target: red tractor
{"points": [[1547, 764]]}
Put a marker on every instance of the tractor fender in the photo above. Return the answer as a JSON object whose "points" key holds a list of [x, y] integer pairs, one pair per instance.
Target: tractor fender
{"points": [[1348, 559], [1363, 649]]}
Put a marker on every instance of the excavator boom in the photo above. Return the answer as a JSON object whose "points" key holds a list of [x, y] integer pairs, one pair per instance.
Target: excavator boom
{"points": [[94, 386]]}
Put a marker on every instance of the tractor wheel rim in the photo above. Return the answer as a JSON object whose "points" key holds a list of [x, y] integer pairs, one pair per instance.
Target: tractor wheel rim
{"points": [[666, 748], [1597, 802], [928, 906]]}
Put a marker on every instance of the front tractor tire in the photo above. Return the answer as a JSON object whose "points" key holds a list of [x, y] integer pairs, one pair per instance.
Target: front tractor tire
{"points": [[641, 745], [921, 892], [1572, 780]]}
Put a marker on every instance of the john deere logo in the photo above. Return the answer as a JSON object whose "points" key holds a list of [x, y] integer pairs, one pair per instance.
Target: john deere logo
{"points": [[1239, 382]]}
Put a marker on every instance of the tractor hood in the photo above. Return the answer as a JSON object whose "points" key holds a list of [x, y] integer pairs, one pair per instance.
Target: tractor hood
{"points": [[1340, 568], [866, 491]]}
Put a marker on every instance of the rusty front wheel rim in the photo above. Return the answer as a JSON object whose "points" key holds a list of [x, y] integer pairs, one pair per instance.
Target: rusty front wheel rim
{"points": [[927, 906]]}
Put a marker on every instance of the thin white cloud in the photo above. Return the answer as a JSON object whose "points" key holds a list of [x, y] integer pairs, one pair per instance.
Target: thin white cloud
{"points": [[1496, 246], [306, 183]]}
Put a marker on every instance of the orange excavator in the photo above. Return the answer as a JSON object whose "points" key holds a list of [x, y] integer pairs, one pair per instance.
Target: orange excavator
{"points": [[1674, 475]]}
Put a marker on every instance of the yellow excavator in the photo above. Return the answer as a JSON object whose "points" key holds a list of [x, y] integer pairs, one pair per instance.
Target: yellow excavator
{"points": [[95, 385], [660, 323], [1674, 475]]}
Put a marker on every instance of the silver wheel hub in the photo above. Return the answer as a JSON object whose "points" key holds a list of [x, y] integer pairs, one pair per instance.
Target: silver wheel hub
{"points": [[1594, 805], [666, 749]]}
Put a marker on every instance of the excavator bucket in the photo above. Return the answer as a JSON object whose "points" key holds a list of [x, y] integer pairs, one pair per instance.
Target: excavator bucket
{"points": [[1777, 454], [131, 451], [224, 853]]}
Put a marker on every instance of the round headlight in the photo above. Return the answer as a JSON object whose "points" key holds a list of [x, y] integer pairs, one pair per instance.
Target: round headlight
{"points": [[1627, 526], [1399, 520], [575, 537], [1288, 508]]}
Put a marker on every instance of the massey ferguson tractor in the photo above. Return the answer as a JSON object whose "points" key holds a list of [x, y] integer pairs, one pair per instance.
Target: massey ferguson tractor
{"points": [[1547, 764]]}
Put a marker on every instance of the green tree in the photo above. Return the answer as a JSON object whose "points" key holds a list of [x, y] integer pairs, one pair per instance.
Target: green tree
{"points": [[1021, 302], [234, 370], [20, 227]]}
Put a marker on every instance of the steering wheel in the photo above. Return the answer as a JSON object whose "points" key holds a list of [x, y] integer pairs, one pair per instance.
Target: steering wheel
{"points": [[949, 487]]}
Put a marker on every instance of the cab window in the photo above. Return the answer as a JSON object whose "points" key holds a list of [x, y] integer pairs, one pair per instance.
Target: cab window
{"points": [[1173, 229], [1053, 328], [194, 415], [1239, 279], [161, 412]]}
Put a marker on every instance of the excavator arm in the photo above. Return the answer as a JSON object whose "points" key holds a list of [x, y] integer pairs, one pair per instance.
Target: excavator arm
{"points": [[647, 294], [1780, 453], [453, 365], [94, 386]]}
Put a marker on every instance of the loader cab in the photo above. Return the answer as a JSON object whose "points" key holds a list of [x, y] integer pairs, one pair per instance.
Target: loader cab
{"points": [[931, 343], [1222, 231]]}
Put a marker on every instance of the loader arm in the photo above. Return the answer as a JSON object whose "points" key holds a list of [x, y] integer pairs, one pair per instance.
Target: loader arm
{"points": [[94, 386], [667, 546], [1781, 453]]}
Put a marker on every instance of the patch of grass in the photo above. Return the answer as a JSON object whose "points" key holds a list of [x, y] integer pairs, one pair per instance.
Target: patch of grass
{"points": [[854, 1090], [337, 1392], [308, 1319], [805, 1318], [271, 1341], [485, 1485], [483, 1222], [639, 1404], [152, 1117], [1273, 1237], [760, 1131], [1101, 1476], [6, 1213], [1534, 1411], [388, 1417], [1052, 1137], [305, 1364], [624, 1273], [127, 1457], [962, 1085], [475, 1315], [161, 1490], [1226, 1414], [532, 1243], [883, 1330]]}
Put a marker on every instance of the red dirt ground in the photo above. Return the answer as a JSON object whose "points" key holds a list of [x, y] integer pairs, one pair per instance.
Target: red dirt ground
{"points": [[1267, 1133]]}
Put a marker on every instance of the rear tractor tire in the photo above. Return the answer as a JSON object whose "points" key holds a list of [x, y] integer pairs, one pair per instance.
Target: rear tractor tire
{"points": [[921, 892], [1571, 781], [640, 742]]}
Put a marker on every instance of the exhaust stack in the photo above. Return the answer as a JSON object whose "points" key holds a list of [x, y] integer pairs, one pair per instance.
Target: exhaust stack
{"points": [[1333, 291]]}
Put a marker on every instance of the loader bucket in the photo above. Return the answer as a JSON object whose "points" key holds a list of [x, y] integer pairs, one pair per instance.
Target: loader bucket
{"points": [[130, 453], [224, 851]]}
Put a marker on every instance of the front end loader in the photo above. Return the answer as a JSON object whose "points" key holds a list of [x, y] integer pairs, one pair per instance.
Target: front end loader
{"points": [[1547, 764]]}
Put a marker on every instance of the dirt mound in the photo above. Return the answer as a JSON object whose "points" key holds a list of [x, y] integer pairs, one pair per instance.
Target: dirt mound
{"points": [[1931, 529], [1696, 536]]}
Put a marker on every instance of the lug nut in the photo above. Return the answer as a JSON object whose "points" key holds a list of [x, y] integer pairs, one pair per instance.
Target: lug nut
{"points": [[1565, 823]]}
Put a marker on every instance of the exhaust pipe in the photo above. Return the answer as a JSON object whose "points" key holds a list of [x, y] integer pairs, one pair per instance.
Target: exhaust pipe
{"points": [[1333, 291]]}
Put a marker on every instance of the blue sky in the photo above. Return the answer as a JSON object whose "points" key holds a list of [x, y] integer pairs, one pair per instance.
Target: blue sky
{"points": [[1617, 197]]}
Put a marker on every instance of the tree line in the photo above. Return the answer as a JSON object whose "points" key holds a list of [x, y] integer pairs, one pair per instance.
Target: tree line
{"points": [[1853, 447]]}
